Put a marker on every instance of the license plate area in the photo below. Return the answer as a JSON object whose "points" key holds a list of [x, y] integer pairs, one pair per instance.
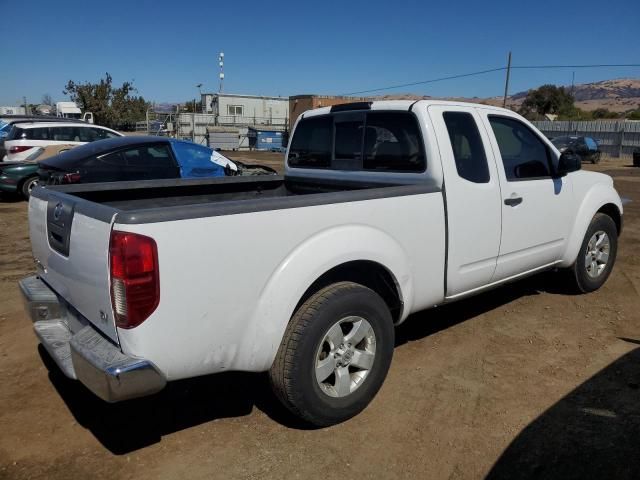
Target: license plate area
{"points": [[59, 220]]}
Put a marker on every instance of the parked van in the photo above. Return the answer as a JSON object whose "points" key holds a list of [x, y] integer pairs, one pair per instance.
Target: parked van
{"points": [[24, 137]]}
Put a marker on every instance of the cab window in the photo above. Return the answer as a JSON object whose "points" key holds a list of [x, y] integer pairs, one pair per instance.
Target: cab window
{"points": [[311, 145], [357, 140], [393, 142], [467, 146], [524, 155]]}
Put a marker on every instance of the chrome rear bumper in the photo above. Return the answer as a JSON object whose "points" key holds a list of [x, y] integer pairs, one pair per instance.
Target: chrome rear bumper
{"points": [[81, 352]]}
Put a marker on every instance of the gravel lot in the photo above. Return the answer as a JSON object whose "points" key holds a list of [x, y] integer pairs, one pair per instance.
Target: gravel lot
{"points": [[521, 382]]}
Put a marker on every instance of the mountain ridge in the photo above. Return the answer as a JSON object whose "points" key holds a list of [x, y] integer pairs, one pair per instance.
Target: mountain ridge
{"points": [[618, 95]]}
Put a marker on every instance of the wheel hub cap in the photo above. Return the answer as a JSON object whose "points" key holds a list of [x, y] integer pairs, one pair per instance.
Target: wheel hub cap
{"points": [[597, 254], [345, 356]]}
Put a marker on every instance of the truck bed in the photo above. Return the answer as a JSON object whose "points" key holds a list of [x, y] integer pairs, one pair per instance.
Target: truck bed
{"points": [[164, 200]]}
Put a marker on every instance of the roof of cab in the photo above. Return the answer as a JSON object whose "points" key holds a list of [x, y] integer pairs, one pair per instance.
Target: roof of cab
{"points": [[403, 105]]}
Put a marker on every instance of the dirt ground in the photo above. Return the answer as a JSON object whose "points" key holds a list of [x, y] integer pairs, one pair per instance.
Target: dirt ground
{"points": [[521, 382]]}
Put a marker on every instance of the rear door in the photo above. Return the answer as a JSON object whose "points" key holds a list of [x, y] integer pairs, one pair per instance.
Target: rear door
{"points": [[537, 209], [472, 190], [70, 244]]}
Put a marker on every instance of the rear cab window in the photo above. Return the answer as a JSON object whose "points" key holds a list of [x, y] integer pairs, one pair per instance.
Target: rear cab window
{"points": [[312, 143], [359, 140]]}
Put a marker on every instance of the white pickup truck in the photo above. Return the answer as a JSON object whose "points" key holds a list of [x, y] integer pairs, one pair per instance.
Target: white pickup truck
{"points": [[385, 208]]}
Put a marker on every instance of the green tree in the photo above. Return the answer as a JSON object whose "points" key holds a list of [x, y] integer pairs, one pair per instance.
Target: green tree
{"points": [[547, 99], [189, 106], [114, 107], [633, 114], [599, 113]]}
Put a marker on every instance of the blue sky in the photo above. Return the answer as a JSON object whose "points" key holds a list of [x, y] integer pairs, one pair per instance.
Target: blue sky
{"points": [[327, 47]]}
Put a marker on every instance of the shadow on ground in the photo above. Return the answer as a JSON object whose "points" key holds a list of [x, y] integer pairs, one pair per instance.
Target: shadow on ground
{"points": [[10, 198], [131, 425], [428, 322], [593, 432], [134, 424]]}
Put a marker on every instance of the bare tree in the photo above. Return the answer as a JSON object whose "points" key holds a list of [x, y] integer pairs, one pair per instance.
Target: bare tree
{"points": [[47, 100]]}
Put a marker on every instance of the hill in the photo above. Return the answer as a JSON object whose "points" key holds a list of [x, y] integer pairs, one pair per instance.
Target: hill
{"points": [[618, 95]]}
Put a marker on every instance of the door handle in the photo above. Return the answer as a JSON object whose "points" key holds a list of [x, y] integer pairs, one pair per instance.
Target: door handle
{"points": [[513, 201]]}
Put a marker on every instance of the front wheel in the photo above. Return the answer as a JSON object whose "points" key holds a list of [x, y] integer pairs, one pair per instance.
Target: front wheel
{"points": [[335, 354], [596, 256]]}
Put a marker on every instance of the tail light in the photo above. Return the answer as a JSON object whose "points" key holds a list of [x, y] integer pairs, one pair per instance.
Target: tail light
{"points": [[70, 178], [19, 148], [135, 280]]}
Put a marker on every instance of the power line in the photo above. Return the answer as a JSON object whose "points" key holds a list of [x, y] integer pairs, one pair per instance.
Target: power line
{"points": [[482, 72], [451, 77], [601, 65]]}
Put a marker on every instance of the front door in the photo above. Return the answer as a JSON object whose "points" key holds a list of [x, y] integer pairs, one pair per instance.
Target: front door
{"points": [[536, 208]]}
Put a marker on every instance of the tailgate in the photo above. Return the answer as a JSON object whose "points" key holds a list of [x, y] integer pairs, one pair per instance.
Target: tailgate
{"points": [[71, 250]]}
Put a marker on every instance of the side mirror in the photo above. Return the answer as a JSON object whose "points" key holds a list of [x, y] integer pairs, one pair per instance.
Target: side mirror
{"points": [[567, 163]]}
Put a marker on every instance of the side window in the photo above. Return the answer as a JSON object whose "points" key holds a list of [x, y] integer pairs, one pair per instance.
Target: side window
{"points": [[114, 159], [148, 156], [102, 134], [524, 154], [65, 134], [468, 149], [311, 145], [41, 133], [87, 134], [392, 141]]}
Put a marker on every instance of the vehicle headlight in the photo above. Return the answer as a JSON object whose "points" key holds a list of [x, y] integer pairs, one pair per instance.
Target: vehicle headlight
{"points": [[562, 149]]}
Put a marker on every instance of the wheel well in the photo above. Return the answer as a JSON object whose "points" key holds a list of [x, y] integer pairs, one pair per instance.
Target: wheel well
{"points": [[612, 211], [370, 274]]}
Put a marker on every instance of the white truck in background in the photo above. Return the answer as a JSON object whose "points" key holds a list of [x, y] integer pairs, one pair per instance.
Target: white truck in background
{"points": [[71, 110], [385, 209]]}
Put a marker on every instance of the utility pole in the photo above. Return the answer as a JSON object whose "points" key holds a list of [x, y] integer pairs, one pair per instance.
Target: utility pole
{"points": [[573, 79], [221, 63], [26, 107], [506, 83]]}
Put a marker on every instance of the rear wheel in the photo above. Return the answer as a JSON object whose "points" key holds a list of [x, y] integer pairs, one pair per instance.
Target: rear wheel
{"points": [[596, 256], [28, 185], [335, 354], [595, 158]]}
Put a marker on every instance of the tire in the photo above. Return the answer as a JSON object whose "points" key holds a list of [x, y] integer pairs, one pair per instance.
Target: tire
{"points": [[310, 349], [595, 158], [27, 186], [588, 273]]}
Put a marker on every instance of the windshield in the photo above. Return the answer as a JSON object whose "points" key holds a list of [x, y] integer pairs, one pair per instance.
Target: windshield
{"points": [[4, 126]]}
